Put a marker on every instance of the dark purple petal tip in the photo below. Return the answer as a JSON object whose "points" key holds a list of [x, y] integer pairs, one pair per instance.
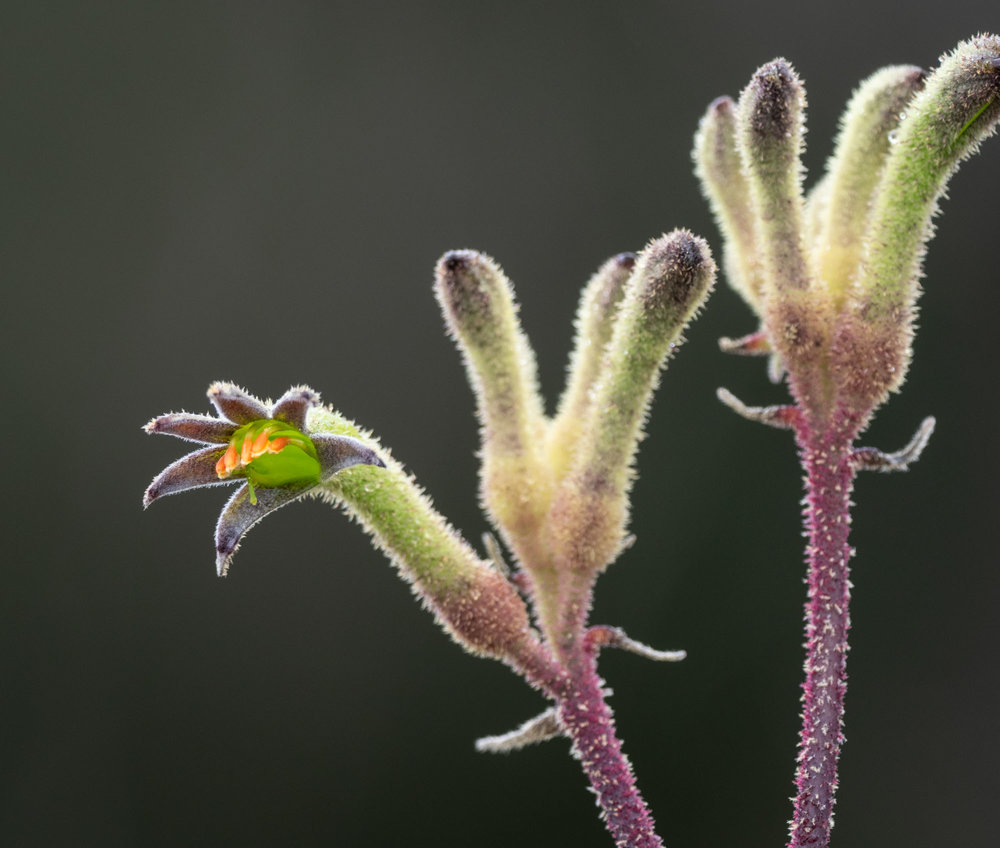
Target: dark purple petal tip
{"points": [[189, 472], [194, 428], [339, 452], [234, 403], [293, 406], [240, 514]]}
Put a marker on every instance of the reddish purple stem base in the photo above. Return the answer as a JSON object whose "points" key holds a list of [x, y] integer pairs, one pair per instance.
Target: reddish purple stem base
{"points": [[586, 717], [588, 721], [829, 479]]}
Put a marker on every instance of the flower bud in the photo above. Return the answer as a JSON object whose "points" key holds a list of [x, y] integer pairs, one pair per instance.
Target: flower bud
{"points": [[944, 124], [719, 167], [670, 281], [795, 307], [478, 304], [594, 325], [867, 127]]}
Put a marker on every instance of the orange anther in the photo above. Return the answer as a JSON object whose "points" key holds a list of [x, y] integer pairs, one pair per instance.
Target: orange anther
{"points": [[246, 455], [277, 444], [227, 462], [260, 443]]}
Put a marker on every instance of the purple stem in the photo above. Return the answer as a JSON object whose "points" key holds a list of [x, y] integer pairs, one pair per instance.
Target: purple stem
{"points": [[573, 683], [829, 479], [589, 722]]}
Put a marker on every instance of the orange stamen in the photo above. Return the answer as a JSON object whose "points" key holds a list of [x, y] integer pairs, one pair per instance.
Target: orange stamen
{"points": [[277, 444], [227, 462], [246, 455], [260, 443]]}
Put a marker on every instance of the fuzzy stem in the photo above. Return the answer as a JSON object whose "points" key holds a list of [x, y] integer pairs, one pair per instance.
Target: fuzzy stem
{"points": [[829, 478], [588, 721], [475, 604], [480, 609]]}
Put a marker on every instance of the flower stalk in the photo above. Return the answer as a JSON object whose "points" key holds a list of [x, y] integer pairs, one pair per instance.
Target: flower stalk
{"points": [[833, 280], [556, 490], [835, 292], [573, 482], [829, 480]]}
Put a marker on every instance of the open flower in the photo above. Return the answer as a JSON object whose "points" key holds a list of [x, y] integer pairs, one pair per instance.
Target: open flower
{"points": [[264, 446]]}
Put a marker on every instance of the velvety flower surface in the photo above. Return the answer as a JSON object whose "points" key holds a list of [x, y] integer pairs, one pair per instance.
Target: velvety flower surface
{"points": [[262, 446]]}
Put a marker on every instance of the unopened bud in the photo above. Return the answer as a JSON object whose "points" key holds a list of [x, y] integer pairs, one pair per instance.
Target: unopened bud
{"points": [[944, 124], [719, 167], [671, 279], [478, 303]]}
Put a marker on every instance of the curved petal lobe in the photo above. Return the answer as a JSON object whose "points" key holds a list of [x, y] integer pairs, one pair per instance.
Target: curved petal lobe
{"points": [[339, 452], [239, 515], [235, 404], [189, 472], [293, 405], [194, 428]]}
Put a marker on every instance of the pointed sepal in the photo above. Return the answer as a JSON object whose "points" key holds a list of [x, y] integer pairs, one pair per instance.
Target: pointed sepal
{"points": [[235, 403], [192, 471], [263, 447], [293, 406], [781, 417], [602, 636], [495, 555], [337, 453], [541, 728], [754, 344], [193, 428], [243, 510], [872, 459]]}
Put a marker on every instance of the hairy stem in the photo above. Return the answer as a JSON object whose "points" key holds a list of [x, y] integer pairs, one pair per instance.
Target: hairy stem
{"points": [[829, 478], [590, 725]]}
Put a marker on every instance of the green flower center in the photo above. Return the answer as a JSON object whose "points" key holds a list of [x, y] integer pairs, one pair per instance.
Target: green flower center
{"points": [[270, 454]]}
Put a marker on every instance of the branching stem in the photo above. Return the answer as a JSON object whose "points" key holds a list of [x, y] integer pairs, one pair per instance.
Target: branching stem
{"points": [[588, 721], [583, 712]]}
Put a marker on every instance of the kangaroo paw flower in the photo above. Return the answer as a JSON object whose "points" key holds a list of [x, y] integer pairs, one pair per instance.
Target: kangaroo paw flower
{"points": [[264, 446]]}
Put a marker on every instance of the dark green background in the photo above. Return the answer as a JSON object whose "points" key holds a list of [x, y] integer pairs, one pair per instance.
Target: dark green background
{"points": [[259, 192]]}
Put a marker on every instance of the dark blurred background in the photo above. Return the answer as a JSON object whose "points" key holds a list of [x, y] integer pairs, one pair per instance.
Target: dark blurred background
{"points": [[258, 192]]}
